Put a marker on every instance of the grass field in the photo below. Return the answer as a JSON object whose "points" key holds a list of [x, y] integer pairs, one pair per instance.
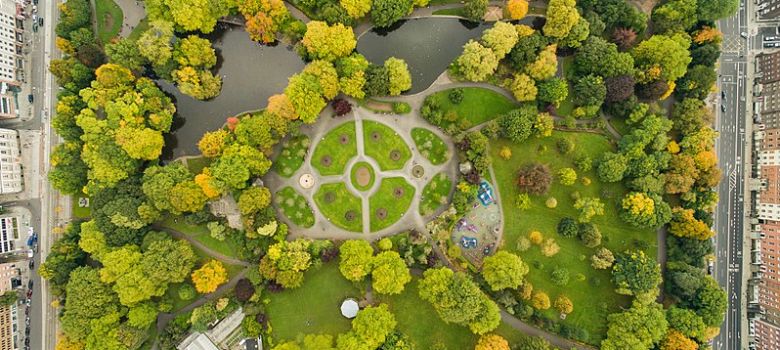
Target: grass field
{"points": [[381, 142], [109, 19], [478, 106], [201, 234], [435, 193], [394, 195], [335, 149], [568, 104], [430, 146], [337, 207], [353, 176], [142, 26], [294, 207], [292, 155], [79, 212], [313, 307], [594, 298]]}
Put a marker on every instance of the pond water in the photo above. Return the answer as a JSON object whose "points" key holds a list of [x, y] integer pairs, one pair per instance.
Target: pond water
{"points": [[251, 73], [427, 44]]}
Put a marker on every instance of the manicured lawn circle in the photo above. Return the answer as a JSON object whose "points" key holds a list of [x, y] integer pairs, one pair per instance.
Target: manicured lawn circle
{"points": [[390, 202], [294, 206], [335, 149], [430, 146], [593, 298], [383, 144], [435, 193], [362, 176], [340, 206]]}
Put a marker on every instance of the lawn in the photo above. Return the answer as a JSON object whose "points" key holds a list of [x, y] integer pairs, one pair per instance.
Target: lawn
{"points": [[292, 155], [593, 298], [335, 149], [79, 212], [196, 164], [109, 19], [340, 206], [313, 307], [353, 176], [201, 234], [390, 202], [430, 146], [479, 105], [567, 105], [142, 26], [620, 125], [435, 193], [294, 207], [384, 145]]}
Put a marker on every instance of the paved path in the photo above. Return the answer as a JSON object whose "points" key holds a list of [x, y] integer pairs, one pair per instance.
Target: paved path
{"points": [[180, 235], [133, 12]]}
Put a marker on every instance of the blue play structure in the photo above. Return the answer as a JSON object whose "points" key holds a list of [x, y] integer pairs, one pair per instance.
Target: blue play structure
{"points": [[468, 242], [485, 193]]}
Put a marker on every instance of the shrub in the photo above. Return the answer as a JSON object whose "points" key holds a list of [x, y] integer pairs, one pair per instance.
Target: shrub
{"points": [[551, 202], [525, 290], [564, 145], [567, 227], [567, 176], [590, 235], [401, 108], [602, 260], [455, 96], [505, 153], [341, 106], [583, 162], [385, 244], [523, 201], [535, 237], [563, 304], [550, 248], [585, 181], [540, 301], [186, 292], [523, 244], [534, 178], [560, 276]]}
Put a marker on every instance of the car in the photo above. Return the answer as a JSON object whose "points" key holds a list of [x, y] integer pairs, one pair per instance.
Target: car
{"points": [[722, 108], [710, 267], [40, 21], [30, 98], [723, 95], [28, 302], [32, 264], [30, 284], [29, 293], [771, 38]]}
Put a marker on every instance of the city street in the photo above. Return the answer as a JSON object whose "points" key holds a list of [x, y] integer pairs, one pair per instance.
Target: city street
{"points": [[730, 215]]}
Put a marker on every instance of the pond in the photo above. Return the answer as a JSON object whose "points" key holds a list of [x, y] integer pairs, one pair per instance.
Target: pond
{"points": [[427, 44], [251, 73]]}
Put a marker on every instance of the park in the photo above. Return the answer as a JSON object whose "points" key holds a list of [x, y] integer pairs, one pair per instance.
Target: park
{"points": [[473, 175]]}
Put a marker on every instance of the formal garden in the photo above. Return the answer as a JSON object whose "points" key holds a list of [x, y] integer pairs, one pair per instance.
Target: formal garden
{"points": [[522, 201]]}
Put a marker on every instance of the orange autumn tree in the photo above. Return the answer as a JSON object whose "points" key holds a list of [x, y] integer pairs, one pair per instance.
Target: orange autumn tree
{"points": [[677, 341], [492, 342], [210, 276], [281, 106], [517, 8], [263, 18], [261, 28]]}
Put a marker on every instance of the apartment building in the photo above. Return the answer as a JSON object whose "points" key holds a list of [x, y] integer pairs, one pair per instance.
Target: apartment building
{"points": [[10, 162]]}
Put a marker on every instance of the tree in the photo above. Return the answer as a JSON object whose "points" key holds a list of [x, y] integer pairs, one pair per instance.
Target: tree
{"points": [[159, 181], [355, 259], [356, 8], [64, 256], [68, 173], [457, 299], [503, 270], [526, 50], [546, 64], [501, 38], [578, 33], [638, 209], [88, 299], [549, 247], [398, 76], [553, 91], [567, 176], [371, 326], [685, 321], [662, 57], [600, 57], [261, 27], [690, 114], [612, 167], [385, 13], [254, 199], [390, 274], [286, 262], [73, 16], [305, 94], [705, 55], [567, 227], [125, 53], [561, 17], [328, 42], [685, 224], [635, 273], [619, 88], [589, 207], [517, 124], [142, 316], [674, 16], [190, 15], [715, 9], [688, 250], [533, 343], [523, 88], [590, 91], [477, 62], [677, 341], [534, 178], [492, 341], [209, 276], [710, 303], [563, 304], [540, 301], [602, 260], [517, 8], [640, 327], [544, 125], [624, 37], [475, 9], [213, 142], [196, 52], [697, 82], [589, 234], [155, 44]]}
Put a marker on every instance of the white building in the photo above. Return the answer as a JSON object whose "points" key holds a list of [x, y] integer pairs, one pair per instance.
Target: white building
{"points": [[11, 41], [10, 162], [10, 239]]}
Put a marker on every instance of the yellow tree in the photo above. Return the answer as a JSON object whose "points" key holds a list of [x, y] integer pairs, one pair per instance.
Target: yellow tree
{"points": [[517, 8], [545, 65], [684, 224], [328, 42], [281, 106], [204, 180], [213, 143], [261, 27], [561, 18], [356, 8], [492, 342], [210, 276], [564, 304], [523, 88], [540, 301], [677, 341]]}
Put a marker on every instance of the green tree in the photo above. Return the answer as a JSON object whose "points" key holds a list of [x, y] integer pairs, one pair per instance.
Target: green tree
{"points": [[68, 173], [711, 10], [286, 262], [590, 91], [385, 13], [477, 62], [686, 322], [562, 15], [589, 207], [600, 57], [190, 15], [156, 43], [501, 38], [710, 303], [88, 299], [371, 327], [390, 274], [674, 16], [517, 125], [159, 181], [475, 9], [254, 199], [612, 167], [553, 91], [640, 327], [635, 273], [457, 299], [504, 270], [355, 259], [142, 316], [697, 82], [65, 255], [126, 53], [662, 57], [398, 76]]}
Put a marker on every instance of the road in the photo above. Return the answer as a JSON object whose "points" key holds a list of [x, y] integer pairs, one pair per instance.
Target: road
{"points": [[730, 214]]}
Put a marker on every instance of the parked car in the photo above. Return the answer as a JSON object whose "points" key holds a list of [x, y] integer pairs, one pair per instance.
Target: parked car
{"points": [[723, 95], [30, 98], [722, 108], [29, 293], [710, 267], [771, 38], [32, 264], [40, 21], [30, 284]]}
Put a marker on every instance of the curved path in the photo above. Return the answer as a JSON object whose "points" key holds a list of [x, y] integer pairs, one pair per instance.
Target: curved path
{"points": [[180, 235]]}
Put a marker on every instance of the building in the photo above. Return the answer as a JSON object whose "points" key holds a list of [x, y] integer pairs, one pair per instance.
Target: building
{"points": [[10, 162], [10, 277], [768, 9], [9, 320], [11, 41], [767, 335], [222, 336]]}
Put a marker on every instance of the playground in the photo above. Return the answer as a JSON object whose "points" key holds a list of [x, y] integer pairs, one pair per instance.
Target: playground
{"points": [[478, 232]]}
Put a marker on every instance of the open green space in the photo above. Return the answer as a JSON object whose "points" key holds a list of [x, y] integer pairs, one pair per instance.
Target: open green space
{"points": [[339, 205], [430, 146], [109, 19], [478, 105], [196, 164], [335, 149], [390, 202], [79, 212], [620, 125], [594, 297], [435, 193], [362, 176], [201, 234], [312, 307], [294, 206], [292, 155], [142, 26], [383, 144], [567, 106]]}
